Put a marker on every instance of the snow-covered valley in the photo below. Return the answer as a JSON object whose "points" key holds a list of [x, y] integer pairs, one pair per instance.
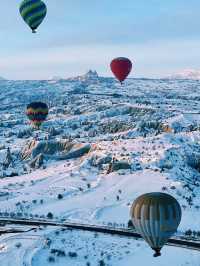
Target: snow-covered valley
{"points": [[102, 145]]}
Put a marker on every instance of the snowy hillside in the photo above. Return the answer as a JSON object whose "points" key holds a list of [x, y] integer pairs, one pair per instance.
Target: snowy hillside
{"points": [[102, 145]]}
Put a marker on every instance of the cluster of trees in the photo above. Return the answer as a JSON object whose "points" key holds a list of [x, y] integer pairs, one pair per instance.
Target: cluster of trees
{"points": [[193, 233], [25, 215]]}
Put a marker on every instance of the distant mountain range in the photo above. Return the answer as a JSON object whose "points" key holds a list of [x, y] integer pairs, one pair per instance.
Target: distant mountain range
{"points": [[186, 74]]}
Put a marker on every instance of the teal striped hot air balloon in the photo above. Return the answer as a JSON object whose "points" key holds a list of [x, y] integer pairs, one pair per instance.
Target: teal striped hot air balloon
{"points": [[33, 12]]}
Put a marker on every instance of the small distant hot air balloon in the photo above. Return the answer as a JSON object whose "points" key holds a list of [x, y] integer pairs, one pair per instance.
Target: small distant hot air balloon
{"points": [[121, 68], [33, 13], [37, 113], [156, 216]]}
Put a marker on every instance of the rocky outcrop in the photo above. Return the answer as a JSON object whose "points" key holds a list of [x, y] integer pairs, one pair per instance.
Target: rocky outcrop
{"points": [[78, 151], [26, 152], [37, 162], [90, 75], [49, 147], [8, 161], [115, 166], [100, 160], [54, 149]]}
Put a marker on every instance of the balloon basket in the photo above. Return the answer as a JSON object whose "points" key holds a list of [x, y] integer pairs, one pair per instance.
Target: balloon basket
{"points": [[157, 252]]}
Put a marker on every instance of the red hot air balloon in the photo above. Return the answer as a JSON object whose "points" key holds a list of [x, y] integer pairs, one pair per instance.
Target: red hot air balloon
{"points": [[121, 68]]}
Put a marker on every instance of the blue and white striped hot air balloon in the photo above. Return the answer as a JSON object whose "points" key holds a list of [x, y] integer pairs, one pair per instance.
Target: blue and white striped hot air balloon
{"points": [[33, 13]]}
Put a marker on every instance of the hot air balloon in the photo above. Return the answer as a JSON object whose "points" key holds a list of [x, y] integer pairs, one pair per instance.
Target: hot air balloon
{"points": [[37, 113], [33, 12], [156, 216], [121, 68]]}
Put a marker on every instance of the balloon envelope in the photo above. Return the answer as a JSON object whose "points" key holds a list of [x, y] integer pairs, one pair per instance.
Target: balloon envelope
{"points": [[37, 113], [33, 12], [156, 216], [121, 68]]}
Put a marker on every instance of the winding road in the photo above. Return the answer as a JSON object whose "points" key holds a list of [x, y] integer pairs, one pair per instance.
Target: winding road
{"points": [[177, 241]]}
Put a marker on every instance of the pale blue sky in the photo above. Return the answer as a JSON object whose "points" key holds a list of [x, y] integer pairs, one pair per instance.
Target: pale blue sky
{"points": [[160, 37]]}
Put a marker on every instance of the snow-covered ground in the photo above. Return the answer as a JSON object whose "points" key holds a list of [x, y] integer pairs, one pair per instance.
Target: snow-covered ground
{"points": [[143, 137]]}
